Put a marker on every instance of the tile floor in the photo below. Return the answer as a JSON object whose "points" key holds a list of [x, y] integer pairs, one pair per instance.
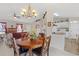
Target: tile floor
{"points": [[52, 52], [56, 52]]}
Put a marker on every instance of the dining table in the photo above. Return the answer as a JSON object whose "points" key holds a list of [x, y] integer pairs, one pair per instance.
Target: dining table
{"points": [[31, 44]]}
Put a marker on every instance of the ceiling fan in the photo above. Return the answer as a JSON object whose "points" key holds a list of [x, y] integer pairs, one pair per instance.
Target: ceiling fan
{"points": [[42, 16]]}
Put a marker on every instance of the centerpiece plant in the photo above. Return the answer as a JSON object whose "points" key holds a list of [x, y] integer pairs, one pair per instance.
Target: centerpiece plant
{"points": [[33, 36]]}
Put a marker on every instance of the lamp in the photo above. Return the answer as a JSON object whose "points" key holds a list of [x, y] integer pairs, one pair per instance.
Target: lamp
{"points": [[29, 12]]}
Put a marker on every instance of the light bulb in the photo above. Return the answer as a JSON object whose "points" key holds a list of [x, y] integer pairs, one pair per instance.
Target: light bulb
{"points": [[56, 14], [33, 11], [35, 14], [22, 13], [24, 10]]}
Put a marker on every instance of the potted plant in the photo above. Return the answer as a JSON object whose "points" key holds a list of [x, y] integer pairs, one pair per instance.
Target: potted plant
{"points": [[33, 36]]}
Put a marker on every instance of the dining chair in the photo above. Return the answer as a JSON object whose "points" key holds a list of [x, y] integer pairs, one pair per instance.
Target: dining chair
{"points": [[16, 49], [46, 45], [44, 50]]}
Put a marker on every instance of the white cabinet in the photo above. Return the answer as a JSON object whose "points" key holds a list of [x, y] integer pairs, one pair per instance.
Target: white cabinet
{"points": [[72, 45]]}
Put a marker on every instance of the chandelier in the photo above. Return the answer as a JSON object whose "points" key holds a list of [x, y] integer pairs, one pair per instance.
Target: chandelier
{"points": [[26, 12]]}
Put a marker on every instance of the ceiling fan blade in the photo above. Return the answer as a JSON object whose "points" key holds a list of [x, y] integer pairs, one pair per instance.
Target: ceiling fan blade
{"points": [[44, 14], [37, 20]]}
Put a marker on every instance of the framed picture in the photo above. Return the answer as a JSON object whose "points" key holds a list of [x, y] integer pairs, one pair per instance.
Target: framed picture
{"points": [[49, 24], [19, 27]]}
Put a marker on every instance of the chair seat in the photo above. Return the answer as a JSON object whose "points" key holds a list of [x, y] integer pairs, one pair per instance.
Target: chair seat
{"points": [[37, 51]]}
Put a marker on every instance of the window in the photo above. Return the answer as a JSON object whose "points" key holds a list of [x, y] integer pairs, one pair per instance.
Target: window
{"points": [[2, 26], [19, 27]]}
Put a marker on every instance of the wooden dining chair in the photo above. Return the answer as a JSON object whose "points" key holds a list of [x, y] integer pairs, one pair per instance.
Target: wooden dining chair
{"points": [[16, 50], [46, 45], [44, 50]]}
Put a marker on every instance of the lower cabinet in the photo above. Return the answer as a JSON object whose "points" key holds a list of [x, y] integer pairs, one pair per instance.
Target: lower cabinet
{"points": [[72, 45]]}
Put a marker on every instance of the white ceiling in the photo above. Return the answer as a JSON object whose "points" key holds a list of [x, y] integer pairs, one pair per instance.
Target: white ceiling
{"points": [[63, 9]]}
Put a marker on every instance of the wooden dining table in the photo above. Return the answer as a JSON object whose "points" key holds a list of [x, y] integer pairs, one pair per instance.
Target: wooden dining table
{"points": [[31, 44]]}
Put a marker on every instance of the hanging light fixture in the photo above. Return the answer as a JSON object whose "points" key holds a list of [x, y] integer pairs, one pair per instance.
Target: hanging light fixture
{"points": [[29, 12]]}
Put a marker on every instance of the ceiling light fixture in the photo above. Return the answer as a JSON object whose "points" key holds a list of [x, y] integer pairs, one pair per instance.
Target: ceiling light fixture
{"points": [[28, 13], [55, 14]]}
